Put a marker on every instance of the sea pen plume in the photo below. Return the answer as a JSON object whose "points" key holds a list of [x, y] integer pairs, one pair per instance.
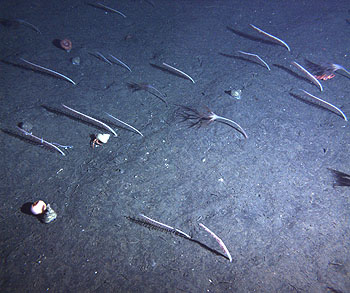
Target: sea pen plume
{"points": [[328, 105], [55, 73], [308, 75], [91, 119], [221, 243], [197, 118], [151, 223], [41, 141], [270, 36], [178, 71], [256, 56], [324, 71]]}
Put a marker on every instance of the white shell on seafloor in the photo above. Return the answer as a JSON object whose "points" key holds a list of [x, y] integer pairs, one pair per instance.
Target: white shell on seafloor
{"points": [[38, 208], [76, 61], [103, 137], [237, 94], [49, 215]]}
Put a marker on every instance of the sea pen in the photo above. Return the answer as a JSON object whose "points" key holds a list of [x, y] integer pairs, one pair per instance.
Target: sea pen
{"points": [[121, 62], [41, 141], [124, 123], [28, 24], [328, 104], [256, 56], [324, 71], [147, 87], [49, 71], [111, 9], [197, 118], [179, 71], [339, 67], [151, 223], [270, 36], [221, 243], [91, 119], [308, 74], [104, 58]]}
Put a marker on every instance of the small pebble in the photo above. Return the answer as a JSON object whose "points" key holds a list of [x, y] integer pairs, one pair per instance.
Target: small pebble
{"points": [[26, 126], [76, 61], [49, 215]]}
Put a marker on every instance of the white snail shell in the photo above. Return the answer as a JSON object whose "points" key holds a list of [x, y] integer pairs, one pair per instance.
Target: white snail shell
{"points": [[103, 137], [236, 94], [38, 207]]}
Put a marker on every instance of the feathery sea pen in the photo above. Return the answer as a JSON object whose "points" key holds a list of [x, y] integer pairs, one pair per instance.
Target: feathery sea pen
{"points": [[197, 118]]}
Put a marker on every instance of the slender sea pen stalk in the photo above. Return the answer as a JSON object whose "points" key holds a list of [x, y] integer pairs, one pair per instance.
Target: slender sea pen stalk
{"points": [[104, 58], [308, 75], [124, 123], [121, 62], [214, 117], [256, 56], [221, 243], [178, 71], [41, 141], [328, 104], [55, 73], [91, 119], [28, 24], [270, 36], [111, 9]]}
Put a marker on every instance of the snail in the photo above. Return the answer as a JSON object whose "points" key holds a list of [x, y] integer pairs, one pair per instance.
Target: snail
{"points": [[66, 45], [43, 211], [100, 139], [237, 94]]}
